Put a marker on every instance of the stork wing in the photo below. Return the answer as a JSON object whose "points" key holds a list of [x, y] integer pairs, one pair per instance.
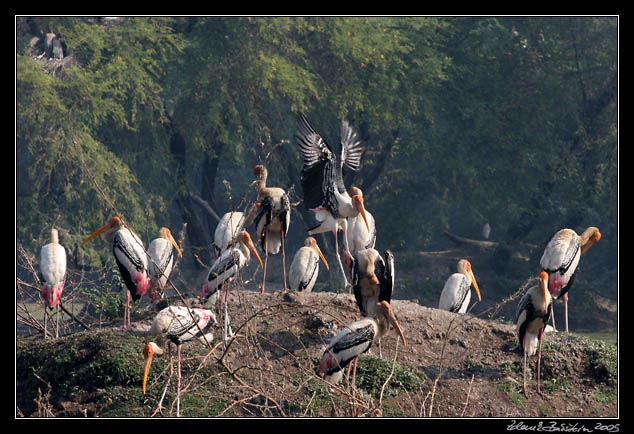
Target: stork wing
{"points": [[181, 322], [351, 146], [387, 278], [319, 164]]}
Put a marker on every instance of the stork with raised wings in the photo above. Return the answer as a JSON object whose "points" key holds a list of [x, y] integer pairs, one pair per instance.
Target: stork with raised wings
{"points": [[322, 182], [53, 276], [354, 340], [161, 261], [131, 259], [272, 219], [177, 325], [456, 294], [305, 266], [532, 315], [224, 270], [560, 260]]}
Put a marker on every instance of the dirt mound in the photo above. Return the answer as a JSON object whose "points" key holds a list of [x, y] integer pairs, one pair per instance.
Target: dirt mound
{"points": [[453, 366]]}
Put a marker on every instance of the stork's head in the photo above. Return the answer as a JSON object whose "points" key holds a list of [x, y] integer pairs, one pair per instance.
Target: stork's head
{"points": [[357, 201], [114, 224], [149, 351], [246, 240], [464, 267]]}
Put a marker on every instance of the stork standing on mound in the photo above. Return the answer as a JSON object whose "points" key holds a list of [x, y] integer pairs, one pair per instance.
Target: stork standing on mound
{"points": [[322, 182], [272, 219], [224, 270], [456, 293], [372, 281], [354, 340], [305, 266], [177, 325], [532, 315]]}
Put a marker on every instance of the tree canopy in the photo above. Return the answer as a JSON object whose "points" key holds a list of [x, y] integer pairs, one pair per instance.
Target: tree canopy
{"points": [[506, 120]]}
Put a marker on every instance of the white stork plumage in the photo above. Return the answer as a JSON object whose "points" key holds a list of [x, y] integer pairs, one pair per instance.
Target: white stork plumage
{"points": [[53, 273], [532, 315], [361, 230], [305, 266], [354, 340], [224, 270], [456, 294], [560, 260], [177, 325], [272, 220], [322, 182], [131, 259], [161, 261], [227, 231]]}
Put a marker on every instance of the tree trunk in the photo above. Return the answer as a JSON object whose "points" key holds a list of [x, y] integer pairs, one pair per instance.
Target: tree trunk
{"points": [[195, 229]]}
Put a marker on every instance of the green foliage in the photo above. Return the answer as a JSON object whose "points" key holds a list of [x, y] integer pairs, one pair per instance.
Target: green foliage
{"points": [[373, 372], [107, 303], [468, 119]]}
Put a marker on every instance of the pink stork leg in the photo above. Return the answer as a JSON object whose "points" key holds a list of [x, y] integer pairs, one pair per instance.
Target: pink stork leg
{"points": [[566, 310], [178, 387], [159, 408], [266, 258], [539, 358], [284, 261]]}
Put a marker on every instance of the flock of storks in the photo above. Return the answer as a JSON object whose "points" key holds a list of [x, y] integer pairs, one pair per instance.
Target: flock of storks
{"points": [[335, 209]]}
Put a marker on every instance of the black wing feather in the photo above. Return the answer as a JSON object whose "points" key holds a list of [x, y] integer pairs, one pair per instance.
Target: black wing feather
{"points": [[351, 147], [387, 278]]}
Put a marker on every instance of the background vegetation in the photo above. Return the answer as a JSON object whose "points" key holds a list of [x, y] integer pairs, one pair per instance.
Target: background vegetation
{"points": [[506, 120]]}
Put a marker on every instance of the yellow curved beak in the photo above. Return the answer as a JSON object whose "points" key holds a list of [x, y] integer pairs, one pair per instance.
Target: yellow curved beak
{"points": [[148, 354]]}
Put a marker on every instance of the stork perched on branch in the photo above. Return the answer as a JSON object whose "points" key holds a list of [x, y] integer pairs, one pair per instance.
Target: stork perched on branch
{"points": [[560, 260], [322, 182]]}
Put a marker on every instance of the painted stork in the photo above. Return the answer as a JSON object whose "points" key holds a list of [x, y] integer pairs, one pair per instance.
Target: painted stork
{"points": [[360, 235], [177, 325], [272, 220], [372, 279], [227, 231], [225, 269], [356, 339], [161, 261], [322, 182], [560, 260], [305, 266], [532, 315], [456, 293], [131, 259], [53, 271]]}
